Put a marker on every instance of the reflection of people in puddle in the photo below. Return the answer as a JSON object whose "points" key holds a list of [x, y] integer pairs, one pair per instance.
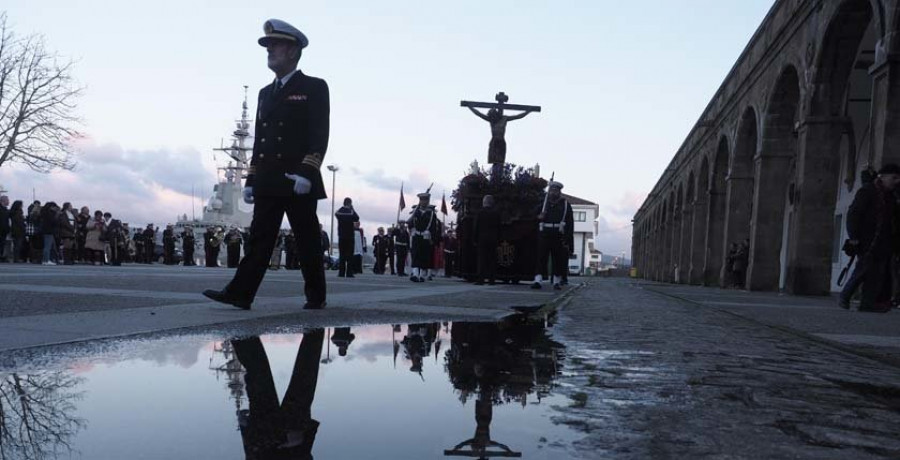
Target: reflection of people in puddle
{"points": [[271, 430], [417, 343], [342, 338]]}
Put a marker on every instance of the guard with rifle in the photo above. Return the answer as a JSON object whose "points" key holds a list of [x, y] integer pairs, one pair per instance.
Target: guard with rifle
{"points": [[556, 235], [169, 245]]}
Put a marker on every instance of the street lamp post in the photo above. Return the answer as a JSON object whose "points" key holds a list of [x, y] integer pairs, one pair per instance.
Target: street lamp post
{"points": [[334, 170]]}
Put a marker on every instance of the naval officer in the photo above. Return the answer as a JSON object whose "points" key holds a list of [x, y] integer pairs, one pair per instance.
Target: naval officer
{"points": [[290, 143]]}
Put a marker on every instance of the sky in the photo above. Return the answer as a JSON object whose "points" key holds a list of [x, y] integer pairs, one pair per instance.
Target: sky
{"points": [[620, 85]]}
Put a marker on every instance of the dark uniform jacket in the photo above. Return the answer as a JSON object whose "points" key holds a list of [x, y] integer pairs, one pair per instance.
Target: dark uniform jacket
{"points": [[346, 216], [870, 217], [4, 220], [383, 244], [291, 137], [558, 219]]}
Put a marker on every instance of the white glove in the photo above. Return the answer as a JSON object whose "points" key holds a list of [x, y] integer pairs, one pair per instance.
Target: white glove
{"points": [[302, 185], [248, 195]]}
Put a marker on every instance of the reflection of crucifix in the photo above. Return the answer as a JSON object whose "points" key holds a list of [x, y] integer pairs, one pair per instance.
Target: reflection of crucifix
{"points": [[494, 116]]}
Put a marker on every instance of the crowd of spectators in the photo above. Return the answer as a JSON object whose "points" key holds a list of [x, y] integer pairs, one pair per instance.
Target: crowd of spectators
{"points": [[49, 234]]}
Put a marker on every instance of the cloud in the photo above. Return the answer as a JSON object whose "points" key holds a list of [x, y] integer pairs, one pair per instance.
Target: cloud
{"points": [[135, 185]]}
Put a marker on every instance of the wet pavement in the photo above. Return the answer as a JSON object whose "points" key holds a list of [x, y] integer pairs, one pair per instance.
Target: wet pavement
{"points": [[63, 304]]}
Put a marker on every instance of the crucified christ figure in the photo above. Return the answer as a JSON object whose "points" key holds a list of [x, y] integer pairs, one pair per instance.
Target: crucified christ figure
{"points": [[497, 147]]}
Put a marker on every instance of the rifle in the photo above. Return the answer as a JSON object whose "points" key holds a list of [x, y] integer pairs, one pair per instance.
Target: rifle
{"points": [[845, 270], [547, 195]]}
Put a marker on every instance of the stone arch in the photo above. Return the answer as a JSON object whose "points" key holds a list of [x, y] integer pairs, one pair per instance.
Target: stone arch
{"points": [[774, 177], [715, 227], [698, 228], [838, 125], [668, 274], [739, 193]]}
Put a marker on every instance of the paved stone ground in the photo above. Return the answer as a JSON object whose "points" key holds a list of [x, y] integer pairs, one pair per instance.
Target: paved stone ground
{"points": [[653, 376], [42, 305]]}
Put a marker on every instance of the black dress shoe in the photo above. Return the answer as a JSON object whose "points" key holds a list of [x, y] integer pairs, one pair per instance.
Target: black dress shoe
{"points": [[222, 297], [535, 285], [314, 305]]}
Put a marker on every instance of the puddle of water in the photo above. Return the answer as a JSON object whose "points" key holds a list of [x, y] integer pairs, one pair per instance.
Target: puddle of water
{"points": [[404, 391]]}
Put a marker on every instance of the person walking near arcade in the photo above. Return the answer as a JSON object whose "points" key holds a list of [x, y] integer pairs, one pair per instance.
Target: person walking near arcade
{"points": [[870, 227], [292, 124]]}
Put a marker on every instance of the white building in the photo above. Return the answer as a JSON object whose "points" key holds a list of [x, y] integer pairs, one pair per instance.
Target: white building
{"points": [[584, 213]]}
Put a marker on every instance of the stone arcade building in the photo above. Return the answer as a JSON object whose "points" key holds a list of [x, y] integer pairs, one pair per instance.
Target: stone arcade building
{"points": [[775, 158]]}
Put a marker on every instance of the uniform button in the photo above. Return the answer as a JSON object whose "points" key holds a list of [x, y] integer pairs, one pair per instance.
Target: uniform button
{"points": [[280, 123], [278, 156], [262, 140], [262, 155], [265, 124], [279, 138]]}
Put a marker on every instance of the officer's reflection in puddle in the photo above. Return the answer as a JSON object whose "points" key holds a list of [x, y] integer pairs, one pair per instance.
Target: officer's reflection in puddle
{"points": [[271, 430], [499, 363]]}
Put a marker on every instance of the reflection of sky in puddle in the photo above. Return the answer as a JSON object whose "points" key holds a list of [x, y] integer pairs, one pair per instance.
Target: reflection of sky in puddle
{"points": [[391, 396]]}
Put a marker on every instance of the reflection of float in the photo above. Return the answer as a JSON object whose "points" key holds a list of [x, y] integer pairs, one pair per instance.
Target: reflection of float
{"points": [[499, 363]]}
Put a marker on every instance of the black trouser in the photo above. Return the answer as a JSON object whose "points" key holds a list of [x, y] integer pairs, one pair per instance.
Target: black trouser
{"points": [[402, 252], [550, 245], [357, 263], [169, 253], [873, 272], [390, 258], [345, 256], [380, 261], [487, 260], [267, 215], [264, 427], [3, 254], [149, 256], [449, 262], [188, 255], [234, 255]]}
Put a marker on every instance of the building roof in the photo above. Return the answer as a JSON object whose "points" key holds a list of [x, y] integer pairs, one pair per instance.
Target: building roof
{"points": [[576, 200]]}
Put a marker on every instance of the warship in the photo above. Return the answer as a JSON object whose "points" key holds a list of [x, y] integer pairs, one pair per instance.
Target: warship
{"points": [[225, 208]]}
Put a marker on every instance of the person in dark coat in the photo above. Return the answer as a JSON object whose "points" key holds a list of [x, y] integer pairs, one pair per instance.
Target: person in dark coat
{"points": [[66, 233], [346, 218], [401, 247], [326, 241], [81, 228], [556, 236], [117, 238], [382, 246], [291, 139], [279, 430], [49, 229], [187, 246], [4, 227], [149, 244], [487, 236], [211, 246], [342, 338], [290, 251], [233, 243], [17, 230], [871, 235]]}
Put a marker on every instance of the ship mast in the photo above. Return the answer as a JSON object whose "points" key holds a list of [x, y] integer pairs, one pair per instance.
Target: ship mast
{"points": [[238, 151]]}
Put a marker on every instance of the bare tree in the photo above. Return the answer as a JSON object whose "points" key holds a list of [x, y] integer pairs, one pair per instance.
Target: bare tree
{"points": [[37, 102]]}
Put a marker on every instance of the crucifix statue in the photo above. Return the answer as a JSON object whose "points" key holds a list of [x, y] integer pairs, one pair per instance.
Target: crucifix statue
{"points": [[497, 120]]}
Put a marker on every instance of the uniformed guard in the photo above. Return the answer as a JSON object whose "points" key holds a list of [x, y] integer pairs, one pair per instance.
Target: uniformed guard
{"points": [[556, 240], [401, 246], [346, 217], [187, 245], [169, 245], [149, 244], [383, 246], [212, 240], [424, 231], [290, 251], [450, 245], [139, 251], [291, 138], [233, 244]]}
